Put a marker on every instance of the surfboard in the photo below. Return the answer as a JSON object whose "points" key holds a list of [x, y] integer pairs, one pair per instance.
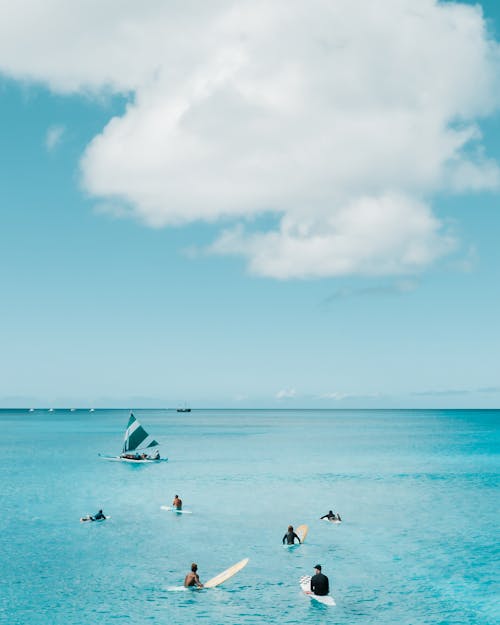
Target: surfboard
{"points": [[305, 584], [172, 509], [335, 521], [301, 532], [225, 575]]}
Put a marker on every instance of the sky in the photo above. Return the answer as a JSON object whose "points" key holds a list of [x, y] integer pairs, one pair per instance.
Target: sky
{"points": [[253, 204]]}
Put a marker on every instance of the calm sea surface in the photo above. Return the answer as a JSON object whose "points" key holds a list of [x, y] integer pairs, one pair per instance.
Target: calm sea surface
{"points": [[418, 492]]}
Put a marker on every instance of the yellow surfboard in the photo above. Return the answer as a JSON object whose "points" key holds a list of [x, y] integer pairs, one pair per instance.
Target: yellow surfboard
{"points": [[225, 575], [301, 532]]}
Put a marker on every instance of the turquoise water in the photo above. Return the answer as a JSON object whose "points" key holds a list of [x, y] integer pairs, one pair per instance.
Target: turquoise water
{"points": [[418, 492]]}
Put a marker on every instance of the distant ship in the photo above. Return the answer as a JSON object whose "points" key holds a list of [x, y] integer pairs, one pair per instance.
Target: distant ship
{"points": [[184, 408]]}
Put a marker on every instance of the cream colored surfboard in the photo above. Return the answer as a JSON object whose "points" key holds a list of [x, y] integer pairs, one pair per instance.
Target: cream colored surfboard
{"points": [[225, 575], [301, 532]]}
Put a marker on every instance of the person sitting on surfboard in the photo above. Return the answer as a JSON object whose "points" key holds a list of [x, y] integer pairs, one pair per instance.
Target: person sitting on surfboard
{"points": [[192, 578], [177, 502], [290, 536], [319, 582]]}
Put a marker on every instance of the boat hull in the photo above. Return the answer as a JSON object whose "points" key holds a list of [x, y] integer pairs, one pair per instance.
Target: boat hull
{"points": [[131, 461]]}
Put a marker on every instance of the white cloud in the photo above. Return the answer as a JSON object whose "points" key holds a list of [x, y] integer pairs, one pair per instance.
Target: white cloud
{"points": [[338, 396], [53, 137], [370, 236], [286, 393], [342, 119]]}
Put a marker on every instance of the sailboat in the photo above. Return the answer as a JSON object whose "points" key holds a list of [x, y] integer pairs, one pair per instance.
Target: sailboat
{"points": [[137, 445]]}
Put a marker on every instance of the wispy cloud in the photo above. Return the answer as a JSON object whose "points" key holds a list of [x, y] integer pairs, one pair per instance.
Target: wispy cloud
{"points": [[468, 262], [240, 398], [457, 391], [286, 393], [399, 287], [338, 396], [54, 137]]}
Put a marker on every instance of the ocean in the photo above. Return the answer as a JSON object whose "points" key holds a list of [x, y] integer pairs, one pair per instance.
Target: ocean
{"points": [[417, 492]]}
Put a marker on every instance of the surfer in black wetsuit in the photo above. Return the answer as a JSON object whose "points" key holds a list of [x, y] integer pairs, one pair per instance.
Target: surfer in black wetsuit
{"points": [[330, 516], [98, 516], [290, 536], [192, 578], [319, 582]]}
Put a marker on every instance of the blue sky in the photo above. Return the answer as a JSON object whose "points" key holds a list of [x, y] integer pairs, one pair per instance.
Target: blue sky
{"points": [[218, 280]]}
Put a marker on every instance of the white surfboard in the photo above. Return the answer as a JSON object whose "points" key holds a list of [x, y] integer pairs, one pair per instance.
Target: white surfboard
{"points": [[305, 584], [335, 521], [225, 575], [172, 509]]}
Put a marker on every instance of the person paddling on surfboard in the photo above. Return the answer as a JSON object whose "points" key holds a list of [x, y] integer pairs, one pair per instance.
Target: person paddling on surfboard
{"points": [[331, 516], [290, 536], [98, 516], [177, 502], [192, 578], [319, 582]]}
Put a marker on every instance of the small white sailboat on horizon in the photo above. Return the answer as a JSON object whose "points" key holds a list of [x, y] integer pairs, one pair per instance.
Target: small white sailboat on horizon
{"points": [[138, 445]]}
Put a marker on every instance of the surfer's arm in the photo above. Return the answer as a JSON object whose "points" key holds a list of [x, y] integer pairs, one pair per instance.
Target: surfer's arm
{"points": [[297, 537], [325, 516], [284, 538]]}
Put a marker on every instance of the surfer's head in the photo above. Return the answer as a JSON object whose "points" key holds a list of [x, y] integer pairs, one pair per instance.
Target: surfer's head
{"points": [[318, 567], [194, 567], [175, 496], [290, 528]]}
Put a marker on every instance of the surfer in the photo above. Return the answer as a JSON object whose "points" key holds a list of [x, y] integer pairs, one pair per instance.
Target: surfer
{"points": [[177, 502], [97, 517], [331, 516], [192, 578], [319, 582], [290, 536]]}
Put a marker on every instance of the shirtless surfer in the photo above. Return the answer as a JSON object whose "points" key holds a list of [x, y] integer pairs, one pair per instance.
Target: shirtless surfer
{"points": [[192, 578], [177, 502]]}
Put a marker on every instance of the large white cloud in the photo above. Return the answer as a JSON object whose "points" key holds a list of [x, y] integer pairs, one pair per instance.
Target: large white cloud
{"points": [[342, 118]]}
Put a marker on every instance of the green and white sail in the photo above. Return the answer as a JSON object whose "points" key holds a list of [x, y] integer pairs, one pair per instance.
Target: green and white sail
{"points": [[136, 437]]}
